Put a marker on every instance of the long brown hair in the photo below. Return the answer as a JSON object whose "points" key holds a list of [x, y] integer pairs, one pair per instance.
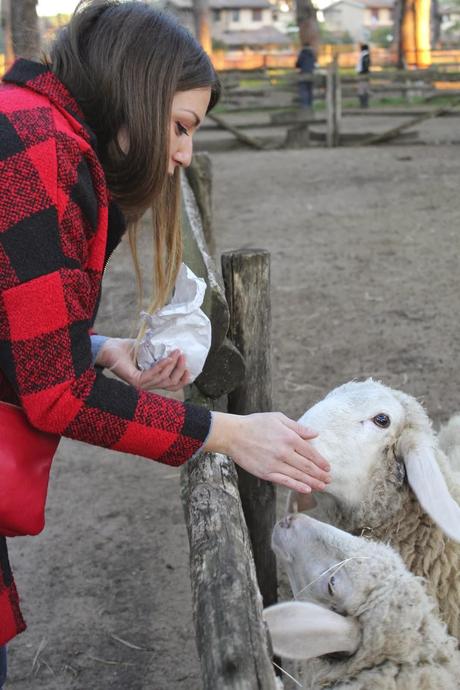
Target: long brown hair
{"points": [[123, 62]]}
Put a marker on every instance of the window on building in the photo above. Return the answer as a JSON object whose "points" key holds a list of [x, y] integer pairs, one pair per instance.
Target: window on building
{"points": [[235, 15], [375, 15], [216, 15], [257, 15]]}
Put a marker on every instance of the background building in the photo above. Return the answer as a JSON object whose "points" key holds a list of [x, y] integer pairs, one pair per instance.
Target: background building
{"points": [[358, 18], [237, 24]]}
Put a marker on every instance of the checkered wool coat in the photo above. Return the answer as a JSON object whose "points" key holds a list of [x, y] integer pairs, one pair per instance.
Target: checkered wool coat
{"points": [[57, 229]]}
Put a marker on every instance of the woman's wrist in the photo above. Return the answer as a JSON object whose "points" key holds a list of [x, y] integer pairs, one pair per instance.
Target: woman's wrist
{"points": [[97, 341], [224, 427]]}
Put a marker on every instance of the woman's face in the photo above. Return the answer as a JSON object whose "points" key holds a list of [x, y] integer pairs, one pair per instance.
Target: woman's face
{"points": [[188, 111]]}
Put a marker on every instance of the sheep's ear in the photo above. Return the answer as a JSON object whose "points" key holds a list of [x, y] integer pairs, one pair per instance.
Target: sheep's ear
{"points": [[297, 502], [302, 630], [429, 485]]}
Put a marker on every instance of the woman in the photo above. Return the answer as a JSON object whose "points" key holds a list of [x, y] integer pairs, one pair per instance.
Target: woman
{"points": [[88, 142]]}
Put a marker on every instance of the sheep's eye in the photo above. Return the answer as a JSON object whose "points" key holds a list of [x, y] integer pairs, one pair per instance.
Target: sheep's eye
{"points": [[381, 420], [330, 586]]}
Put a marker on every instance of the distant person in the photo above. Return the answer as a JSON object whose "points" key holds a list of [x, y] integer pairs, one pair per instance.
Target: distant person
{"points": [[363, 69], [306, 66]]}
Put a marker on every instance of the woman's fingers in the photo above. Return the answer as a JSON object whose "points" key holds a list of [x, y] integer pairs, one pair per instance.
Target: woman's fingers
{"points": [[296, 467], [307, 459], [290, 483], [303, 431], [185, 379], [160, 371], [169, 374], [178, 371], [304, 434], [170, 367]]}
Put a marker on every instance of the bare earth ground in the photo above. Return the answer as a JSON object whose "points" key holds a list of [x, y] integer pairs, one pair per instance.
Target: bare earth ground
{"points": [[365, 282]]}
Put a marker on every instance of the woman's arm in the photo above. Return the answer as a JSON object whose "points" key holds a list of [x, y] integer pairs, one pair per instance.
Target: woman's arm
{"points": [[270, 446]]}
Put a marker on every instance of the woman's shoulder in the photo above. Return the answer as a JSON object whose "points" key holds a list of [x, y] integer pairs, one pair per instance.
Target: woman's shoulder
{"points": [[29, 119]]}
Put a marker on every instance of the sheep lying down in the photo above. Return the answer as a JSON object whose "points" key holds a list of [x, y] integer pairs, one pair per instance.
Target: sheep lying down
{"points": [[361, 620], [392, 481]]}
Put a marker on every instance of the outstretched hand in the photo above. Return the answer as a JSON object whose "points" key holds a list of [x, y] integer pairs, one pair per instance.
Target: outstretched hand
{"points": [[272, 447], [117, 354]]}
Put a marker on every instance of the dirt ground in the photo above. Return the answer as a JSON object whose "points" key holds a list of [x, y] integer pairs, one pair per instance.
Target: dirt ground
{"points": [[365, 282]]}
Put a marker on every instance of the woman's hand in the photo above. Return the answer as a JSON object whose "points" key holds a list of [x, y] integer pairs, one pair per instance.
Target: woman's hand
{"points": [[272, 447], [117, 354]]}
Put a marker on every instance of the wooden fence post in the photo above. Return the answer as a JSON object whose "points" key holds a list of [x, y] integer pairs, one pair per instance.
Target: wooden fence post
{"points": [[227, 606], [246, 276], [333, 104], [199, 175]]}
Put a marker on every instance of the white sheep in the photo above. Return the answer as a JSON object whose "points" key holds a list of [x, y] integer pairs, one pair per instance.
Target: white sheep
{"points": [[361, 618], [391, 481]]}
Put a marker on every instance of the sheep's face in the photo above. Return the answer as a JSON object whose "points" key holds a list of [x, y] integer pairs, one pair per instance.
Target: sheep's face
{"points": [[376, 608], [330, 567], [358, 425]]}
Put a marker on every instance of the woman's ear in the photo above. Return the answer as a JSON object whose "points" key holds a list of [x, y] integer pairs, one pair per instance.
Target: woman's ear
{"points": [[123, 139]]}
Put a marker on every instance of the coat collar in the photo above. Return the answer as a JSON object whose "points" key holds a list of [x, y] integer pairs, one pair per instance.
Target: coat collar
{"points": [[39, 78]]}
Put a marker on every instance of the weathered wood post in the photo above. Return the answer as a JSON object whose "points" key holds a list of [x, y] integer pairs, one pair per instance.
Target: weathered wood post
{"points": [[199, 175], [227, 605], [333, 104], [246, 276]]}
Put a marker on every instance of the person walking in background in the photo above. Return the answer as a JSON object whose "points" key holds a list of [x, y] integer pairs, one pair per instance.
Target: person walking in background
{"points": [[306, 66], [363, 69]]}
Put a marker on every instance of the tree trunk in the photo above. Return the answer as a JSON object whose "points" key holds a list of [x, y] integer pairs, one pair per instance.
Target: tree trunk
{"points": [[202, 21], [400, 7], [25, 31], [7, 35], [436, 19], [308, 23]]}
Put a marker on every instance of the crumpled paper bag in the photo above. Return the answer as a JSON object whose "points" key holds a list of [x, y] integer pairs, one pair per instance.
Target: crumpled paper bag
{"points": [[180, 325]]}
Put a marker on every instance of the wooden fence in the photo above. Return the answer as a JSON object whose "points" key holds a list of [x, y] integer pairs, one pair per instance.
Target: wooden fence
{"points": [[273, 95], [276, 88], [230, 564]]}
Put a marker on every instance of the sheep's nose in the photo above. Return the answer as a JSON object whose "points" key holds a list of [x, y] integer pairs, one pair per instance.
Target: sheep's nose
{"points": [[287, 521]]}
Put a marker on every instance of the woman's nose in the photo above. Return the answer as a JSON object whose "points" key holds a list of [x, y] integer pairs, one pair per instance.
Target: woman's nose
{"points": [[184, 153]]}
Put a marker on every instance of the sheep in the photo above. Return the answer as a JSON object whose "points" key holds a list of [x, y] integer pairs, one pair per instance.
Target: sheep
{"points": [[357, 604], [391, 480]]}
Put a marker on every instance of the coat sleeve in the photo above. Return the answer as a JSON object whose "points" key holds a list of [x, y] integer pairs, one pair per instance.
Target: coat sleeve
{"points": [[48, 228]]}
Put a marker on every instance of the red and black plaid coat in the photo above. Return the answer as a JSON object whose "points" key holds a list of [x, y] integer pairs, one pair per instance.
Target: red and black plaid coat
{"points": [[57, 229]]}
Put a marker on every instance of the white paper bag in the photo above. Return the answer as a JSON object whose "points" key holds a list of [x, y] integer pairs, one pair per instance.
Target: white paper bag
{"points": [[180, 325]]}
